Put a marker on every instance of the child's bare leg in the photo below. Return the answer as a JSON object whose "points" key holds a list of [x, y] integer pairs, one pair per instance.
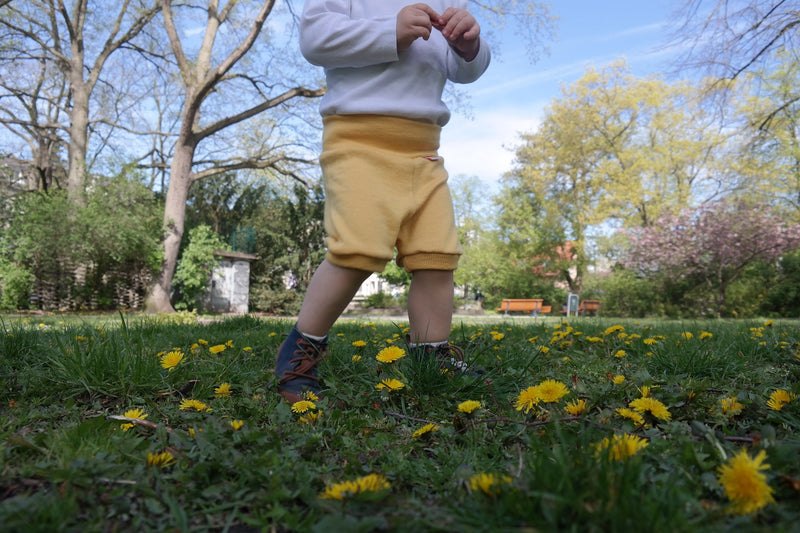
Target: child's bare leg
{"points": [[331, 289], [430, 306]]}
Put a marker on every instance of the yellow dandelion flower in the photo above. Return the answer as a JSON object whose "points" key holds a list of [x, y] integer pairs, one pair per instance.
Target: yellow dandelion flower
{"points": [[620, 447], [652, 406], [469, 406], [544, 349], [188, 404], [594, 339], [632, 415], [744, 483], [528, 399], [237, 424], [202, 342], [132, 413], [348, 489], [390, 384], [356, 358], [223, 391], [273, 334], [620, 353], [424, 430], [613, 329], [650, 341], [310, 418], [171, 359], [489, 484], [618, 379], [533, 339], [730, 406], [645, 391], [194, 347], [769, 323], [302, 406], [576, 407], [160, 459], [705, 335], [218, 348], [229, 344], [390, 354], [359, 344], [687, 335], [247, 349], [310, 396], [551, 390], [779, 398], [497, 335]]}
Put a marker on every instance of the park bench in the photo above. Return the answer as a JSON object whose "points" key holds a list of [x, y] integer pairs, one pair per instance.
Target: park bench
{"points": [[525, 305], [592, 306]]}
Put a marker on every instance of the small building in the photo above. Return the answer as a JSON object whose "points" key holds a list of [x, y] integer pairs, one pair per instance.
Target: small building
{"points": [[229, 291]]}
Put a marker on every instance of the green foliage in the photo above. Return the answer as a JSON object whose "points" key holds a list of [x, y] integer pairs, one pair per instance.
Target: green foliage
{"points": [[15, 285], [380, 300], [196, 265], [114, 241], [68, 463]]}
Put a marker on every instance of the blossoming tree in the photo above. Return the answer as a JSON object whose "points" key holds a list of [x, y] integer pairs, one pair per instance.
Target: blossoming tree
{"points": [[713, 243]]}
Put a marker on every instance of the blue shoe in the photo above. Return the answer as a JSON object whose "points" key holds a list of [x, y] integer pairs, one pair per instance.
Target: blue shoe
{"points": [[296, 366]]}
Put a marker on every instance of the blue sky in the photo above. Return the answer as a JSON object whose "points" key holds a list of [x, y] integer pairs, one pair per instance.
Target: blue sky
{"points": [[509, 98]]}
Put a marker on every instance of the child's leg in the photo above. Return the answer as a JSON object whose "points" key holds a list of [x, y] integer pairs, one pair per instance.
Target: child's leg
{"points": [[331, 289], [430, 306]]}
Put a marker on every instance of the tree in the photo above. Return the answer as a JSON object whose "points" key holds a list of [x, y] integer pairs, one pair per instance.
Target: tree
{"points": [[202, 76], [79, 40], [613, 150], [712, 244]]}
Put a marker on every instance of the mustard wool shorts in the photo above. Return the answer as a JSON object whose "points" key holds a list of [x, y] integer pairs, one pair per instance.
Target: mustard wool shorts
{"points": [[386, 189]]}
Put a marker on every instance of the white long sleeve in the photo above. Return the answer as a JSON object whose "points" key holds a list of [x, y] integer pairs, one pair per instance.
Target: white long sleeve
{"points": [[356, 42]]}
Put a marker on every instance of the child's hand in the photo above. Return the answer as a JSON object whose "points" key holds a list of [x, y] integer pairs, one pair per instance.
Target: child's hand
{"points": [[461, 30], [413, 22]]}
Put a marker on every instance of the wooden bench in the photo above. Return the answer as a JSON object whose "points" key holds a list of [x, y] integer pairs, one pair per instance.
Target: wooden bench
{"points": [[525, 305], [586, 305]]}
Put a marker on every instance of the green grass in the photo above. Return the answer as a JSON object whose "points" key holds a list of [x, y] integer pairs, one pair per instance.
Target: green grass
{"points": [[67, 465]]}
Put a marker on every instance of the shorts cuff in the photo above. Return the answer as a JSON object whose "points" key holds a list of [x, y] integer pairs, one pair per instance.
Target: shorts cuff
{"points": [[358, 262], [426, 261]]}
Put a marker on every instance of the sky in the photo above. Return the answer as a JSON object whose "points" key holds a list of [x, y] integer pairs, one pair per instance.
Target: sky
{"points": [[510, 97]]}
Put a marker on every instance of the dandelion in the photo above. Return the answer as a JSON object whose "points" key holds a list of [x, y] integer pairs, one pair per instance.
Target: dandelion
{"points": [[652, 406], [310, 418], [359, 344], [744, 483], [620, 354], [223, 391], [273, 334], [528, 399], [237, 424], [202, 342], [730, 406], [347, 489], [779, 398], [469, 406], [302, 406], [160, 459], [194, 347], [497, 335], [171, 359], [132, 413], [217, 349], [197, 405], [489, 484], [310, 396], [390, 354], [544, 349], [632, 415], [576, 407], [613, 329], [650, 341], [645, 391], [705, 335], [390, 384], [247, 349], [229, 344], [618, 379], [356, 358], [594, 339], [424, 430], [551, 390], [620, 447], [687, 335]]}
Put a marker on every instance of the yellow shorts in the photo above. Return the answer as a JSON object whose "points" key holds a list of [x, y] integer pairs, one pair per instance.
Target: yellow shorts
{"points": [[386, 188]]}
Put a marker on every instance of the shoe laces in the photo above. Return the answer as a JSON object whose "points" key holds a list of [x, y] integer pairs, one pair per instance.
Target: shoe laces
{"points": [[308, 355]]}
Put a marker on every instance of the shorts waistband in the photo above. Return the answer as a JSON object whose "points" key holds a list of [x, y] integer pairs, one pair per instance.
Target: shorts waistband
{"points": [[383, 132]]}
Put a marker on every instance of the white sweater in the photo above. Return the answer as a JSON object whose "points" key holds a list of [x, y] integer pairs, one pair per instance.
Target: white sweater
{"points": [[356, 42]]}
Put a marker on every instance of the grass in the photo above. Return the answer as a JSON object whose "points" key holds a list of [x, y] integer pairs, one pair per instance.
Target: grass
{"points": [[68, 465]]}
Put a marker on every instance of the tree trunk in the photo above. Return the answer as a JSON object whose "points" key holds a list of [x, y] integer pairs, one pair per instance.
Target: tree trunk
{"points": [[78, 134], [158, 301]]}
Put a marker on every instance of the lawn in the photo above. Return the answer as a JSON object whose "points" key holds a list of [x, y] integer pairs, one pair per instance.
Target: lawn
{"points": [[590, 424]]}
